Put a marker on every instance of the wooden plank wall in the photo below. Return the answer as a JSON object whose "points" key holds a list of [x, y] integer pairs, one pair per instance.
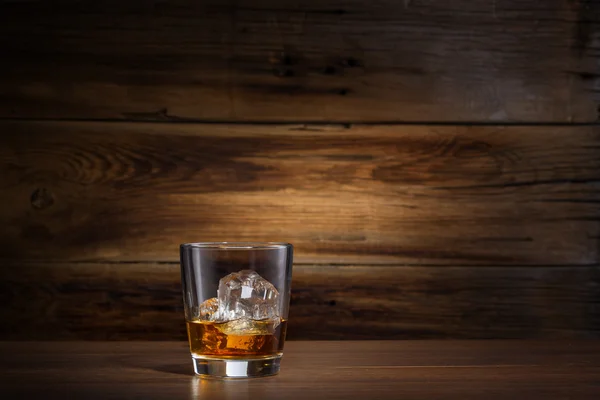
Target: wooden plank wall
{"points": [[435, 163]]}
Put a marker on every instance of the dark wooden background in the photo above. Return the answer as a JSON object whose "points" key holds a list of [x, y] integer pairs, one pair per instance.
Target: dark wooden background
{"points": [[435, 163]]}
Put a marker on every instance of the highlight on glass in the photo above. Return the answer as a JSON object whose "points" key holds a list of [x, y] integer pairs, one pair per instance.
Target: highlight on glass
{"points": [[236, 298]]}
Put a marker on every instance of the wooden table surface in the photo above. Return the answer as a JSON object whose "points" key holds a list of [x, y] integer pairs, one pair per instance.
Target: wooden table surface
{"points": [[310, 370]]}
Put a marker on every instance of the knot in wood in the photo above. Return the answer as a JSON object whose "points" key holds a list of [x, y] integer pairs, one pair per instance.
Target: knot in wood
{"points": [[41, 198]]}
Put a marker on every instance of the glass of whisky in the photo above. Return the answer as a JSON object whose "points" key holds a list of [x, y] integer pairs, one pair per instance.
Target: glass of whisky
{"points": [[236, 298]]}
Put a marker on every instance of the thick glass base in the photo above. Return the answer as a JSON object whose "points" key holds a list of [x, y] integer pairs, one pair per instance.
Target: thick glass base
{"points": [[236, 368]]}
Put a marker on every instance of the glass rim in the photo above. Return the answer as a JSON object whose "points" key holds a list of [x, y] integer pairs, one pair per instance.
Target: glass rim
{"points": [[236, 245]]}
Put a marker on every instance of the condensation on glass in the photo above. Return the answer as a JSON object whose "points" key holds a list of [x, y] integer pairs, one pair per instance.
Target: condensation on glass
{"points": [[236, 298]]}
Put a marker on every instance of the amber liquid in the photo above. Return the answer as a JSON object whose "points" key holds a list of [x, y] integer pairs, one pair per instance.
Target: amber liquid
{"points": [[206, 339]]}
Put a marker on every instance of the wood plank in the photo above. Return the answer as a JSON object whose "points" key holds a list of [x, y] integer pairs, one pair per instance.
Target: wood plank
{"points": [[341, 194], [308, 60], [143, 301], [318, 370]]}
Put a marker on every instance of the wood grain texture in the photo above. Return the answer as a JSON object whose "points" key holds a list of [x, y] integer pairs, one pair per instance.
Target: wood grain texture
{"points": [[308, 60], [143, 301], [341, 194], [378, 370]]}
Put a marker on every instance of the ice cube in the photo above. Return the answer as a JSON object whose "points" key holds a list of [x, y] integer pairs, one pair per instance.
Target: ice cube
{"points": [[209, 310], [248, 327], [247, 295]]}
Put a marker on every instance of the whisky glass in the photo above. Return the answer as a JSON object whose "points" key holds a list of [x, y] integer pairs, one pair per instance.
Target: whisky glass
{"points": [[236, 299]]}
